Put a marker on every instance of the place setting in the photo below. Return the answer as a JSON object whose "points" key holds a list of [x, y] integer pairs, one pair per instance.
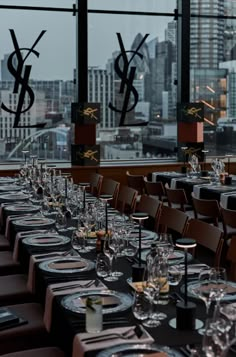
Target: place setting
{"points": [[34, 222], [14, 196], [67, 265], [46, 240]]}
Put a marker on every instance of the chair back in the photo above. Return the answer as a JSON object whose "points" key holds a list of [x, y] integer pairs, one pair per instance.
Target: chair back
{"points": [[154, 189], [176, 196], [228, 220], [136, 182], [231, 258], [110, 187], [126, 200], [207, 236], [172, 219], [206, 210], [95, 181], [152, 207]]}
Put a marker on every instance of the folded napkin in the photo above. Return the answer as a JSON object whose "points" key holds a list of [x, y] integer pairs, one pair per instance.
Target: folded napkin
{"points": [[36, 259], [67, 265], [50, 294], [174, 256], [42, 240], [192, 268], [80, 346], [19, 236], [14, 218], [156, 354]]}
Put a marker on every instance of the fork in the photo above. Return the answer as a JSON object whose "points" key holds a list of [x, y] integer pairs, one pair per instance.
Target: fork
{"points": [[130, 333], [76, 285]]}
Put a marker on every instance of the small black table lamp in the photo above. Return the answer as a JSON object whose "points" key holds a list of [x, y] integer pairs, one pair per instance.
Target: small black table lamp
{"points": [[138, 269], [106, 198], [84, 185], [185, 311]]}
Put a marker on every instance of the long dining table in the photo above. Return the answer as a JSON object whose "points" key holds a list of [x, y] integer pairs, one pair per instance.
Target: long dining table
{"points": [[66, 324]]}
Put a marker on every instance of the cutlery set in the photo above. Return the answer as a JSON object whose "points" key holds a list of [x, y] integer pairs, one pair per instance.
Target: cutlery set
{"points": [[78, 285]]}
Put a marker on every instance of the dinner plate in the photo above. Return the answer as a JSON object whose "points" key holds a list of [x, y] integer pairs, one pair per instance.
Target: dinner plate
{"points": [[49, 240], [6, 180], [23, 208], [66, 265], [34, 222], [14, 196], [145, 234], [6, 188], [175, 258], [112, 301], [138, 350], [231, 296]]}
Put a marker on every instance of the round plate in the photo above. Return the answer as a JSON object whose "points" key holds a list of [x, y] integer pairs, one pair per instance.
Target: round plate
{"points": [[14, 196], [6, 180], [48, 240], [6, 188], [66, 265], [113, 301], [145, 234], [176, 258], [24, 208], [34, 222], [138, 350], [228, 297]]}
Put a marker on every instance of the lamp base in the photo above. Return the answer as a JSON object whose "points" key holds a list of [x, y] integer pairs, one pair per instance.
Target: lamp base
{"points": [[138, 272], [185, 316]]}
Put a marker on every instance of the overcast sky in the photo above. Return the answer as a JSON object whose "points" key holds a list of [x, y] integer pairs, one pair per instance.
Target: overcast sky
{"points": [[57, 46]]}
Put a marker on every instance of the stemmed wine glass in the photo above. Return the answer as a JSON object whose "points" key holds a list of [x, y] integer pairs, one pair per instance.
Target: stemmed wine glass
{"points": [[151, 290], [204, 290], [115, 242], [219, 286], [109, 252]]}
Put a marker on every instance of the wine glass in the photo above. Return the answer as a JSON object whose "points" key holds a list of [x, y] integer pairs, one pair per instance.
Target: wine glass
{"points": [[204, 290], [218, 286], [77, 241], [151, 290], [109, 252], [115, 242]]}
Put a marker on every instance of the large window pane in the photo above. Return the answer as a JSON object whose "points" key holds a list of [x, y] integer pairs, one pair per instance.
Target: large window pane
{"points": [[153, 79], [213, 68], [50, 78]]}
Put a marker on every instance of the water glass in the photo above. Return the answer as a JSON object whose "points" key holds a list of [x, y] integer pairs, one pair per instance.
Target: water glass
{"points": [[102, 266], [174, 275], [93, 314], [141, 306]]}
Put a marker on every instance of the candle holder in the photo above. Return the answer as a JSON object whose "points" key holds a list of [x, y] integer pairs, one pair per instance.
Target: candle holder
{"points": [[84, 185], [138, 269], [185, 311], [106, 198]]}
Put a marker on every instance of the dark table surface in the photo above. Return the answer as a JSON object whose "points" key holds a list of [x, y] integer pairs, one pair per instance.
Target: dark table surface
{"points": [[66, 324]]}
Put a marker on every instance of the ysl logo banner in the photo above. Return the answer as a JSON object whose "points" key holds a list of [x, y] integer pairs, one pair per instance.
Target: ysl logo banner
{"points": [[126, 72], [22, 74]]}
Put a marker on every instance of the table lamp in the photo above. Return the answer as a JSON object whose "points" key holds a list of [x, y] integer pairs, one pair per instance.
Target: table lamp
{"points": [[84, 185], [185, 310], [184, 169], [138, 269], [106, 198]]}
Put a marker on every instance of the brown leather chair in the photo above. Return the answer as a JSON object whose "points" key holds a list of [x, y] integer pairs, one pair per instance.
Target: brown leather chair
{"points": [[30, 335], [126, 200], [110, 187], [208, 237], [152, 207], [206, 210], [173, 220], [177, 198], [95, 181], [155, 189], [39, 352], [136, 182], [229, 222], [14, 290]]}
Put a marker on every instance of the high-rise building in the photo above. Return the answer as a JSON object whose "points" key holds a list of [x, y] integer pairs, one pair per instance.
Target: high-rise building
{"points": [[207, 34]]}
